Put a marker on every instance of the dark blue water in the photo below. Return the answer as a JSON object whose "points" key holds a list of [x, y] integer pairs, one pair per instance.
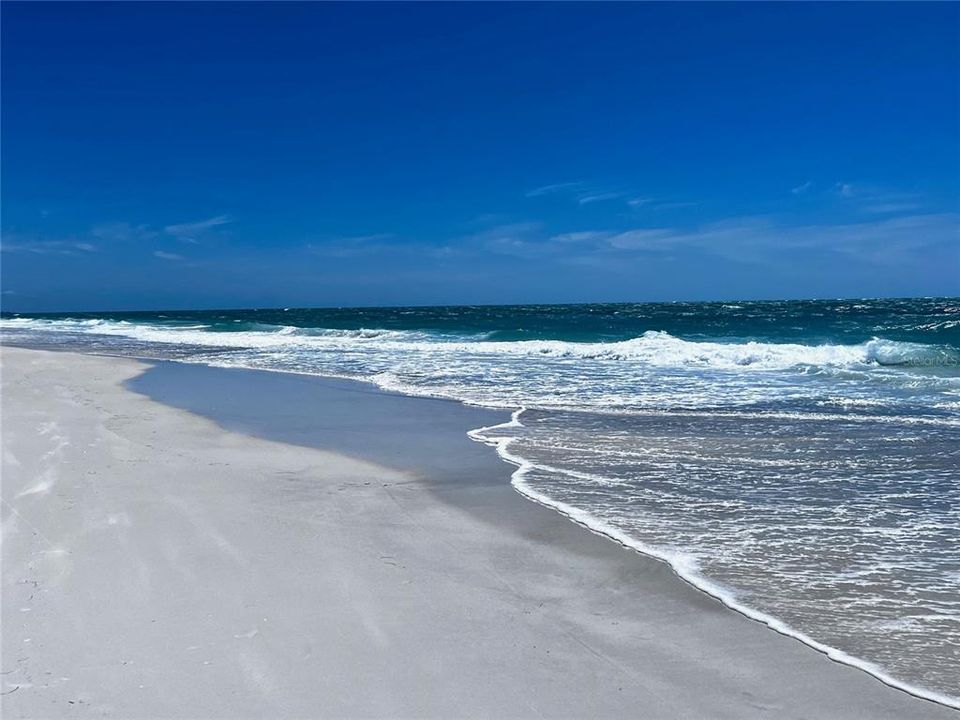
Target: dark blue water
{"points": [[922, 320]]}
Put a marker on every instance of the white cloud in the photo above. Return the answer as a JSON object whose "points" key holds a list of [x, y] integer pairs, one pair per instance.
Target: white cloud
{"points": [[802, 189], [598, 197], [654, 203], [588, 193], [520, 239], [844, 190], [579, 237], [555, 188], [761, 240], [188, 232], [348, 245], [14, 244], [167, 255], [889, 241], [645, 239], [891, 207], [878, 200], [122, 232], [584, 193]]}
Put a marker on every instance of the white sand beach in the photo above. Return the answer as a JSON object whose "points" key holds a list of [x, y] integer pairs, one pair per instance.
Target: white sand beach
{"points": [[158, 564]]}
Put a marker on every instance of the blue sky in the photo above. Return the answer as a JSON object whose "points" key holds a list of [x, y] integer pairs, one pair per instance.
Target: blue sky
{"points": [[174, 155]]}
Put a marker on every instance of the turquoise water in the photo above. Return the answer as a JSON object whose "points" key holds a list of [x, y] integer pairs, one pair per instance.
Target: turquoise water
{"points": [[797, 459], [922, 320]]}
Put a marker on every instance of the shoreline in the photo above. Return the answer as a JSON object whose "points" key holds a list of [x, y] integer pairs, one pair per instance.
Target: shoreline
{"points": [[484, 501], [687, 574], [692, 576], [584, 519]]}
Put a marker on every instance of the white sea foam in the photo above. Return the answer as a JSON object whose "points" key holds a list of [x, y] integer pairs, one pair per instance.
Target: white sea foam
{"points": [[653, 348]]}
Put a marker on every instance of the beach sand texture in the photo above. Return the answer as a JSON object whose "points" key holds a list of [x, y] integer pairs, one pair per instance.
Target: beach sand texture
{"points": [[159, 564]]}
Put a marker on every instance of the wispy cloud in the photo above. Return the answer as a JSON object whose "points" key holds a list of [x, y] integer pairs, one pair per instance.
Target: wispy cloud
{"points": [[589, 193], [522, 239], [110, 235], [162, 254], [189, 232], [888, 241], [599, 197], [892, 207], [16, 244], [761, 240], [587, 236], [564, 187], [583, 193], [879, 196], [645, 239], [845, 190], [650, 203], [345, 246], [388, 245], [122, 232], [866, 197]]}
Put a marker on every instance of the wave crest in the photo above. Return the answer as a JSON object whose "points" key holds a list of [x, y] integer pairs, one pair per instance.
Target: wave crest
{"points": [[664, 350], [653, 348]]}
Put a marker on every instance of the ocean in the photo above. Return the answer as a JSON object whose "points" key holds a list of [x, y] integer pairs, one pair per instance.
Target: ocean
{"points": [[798, 460]]}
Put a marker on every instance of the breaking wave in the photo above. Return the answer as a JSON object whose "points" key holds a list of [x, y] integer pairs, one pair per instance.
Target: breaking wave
{"points": [[653, 348]]}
